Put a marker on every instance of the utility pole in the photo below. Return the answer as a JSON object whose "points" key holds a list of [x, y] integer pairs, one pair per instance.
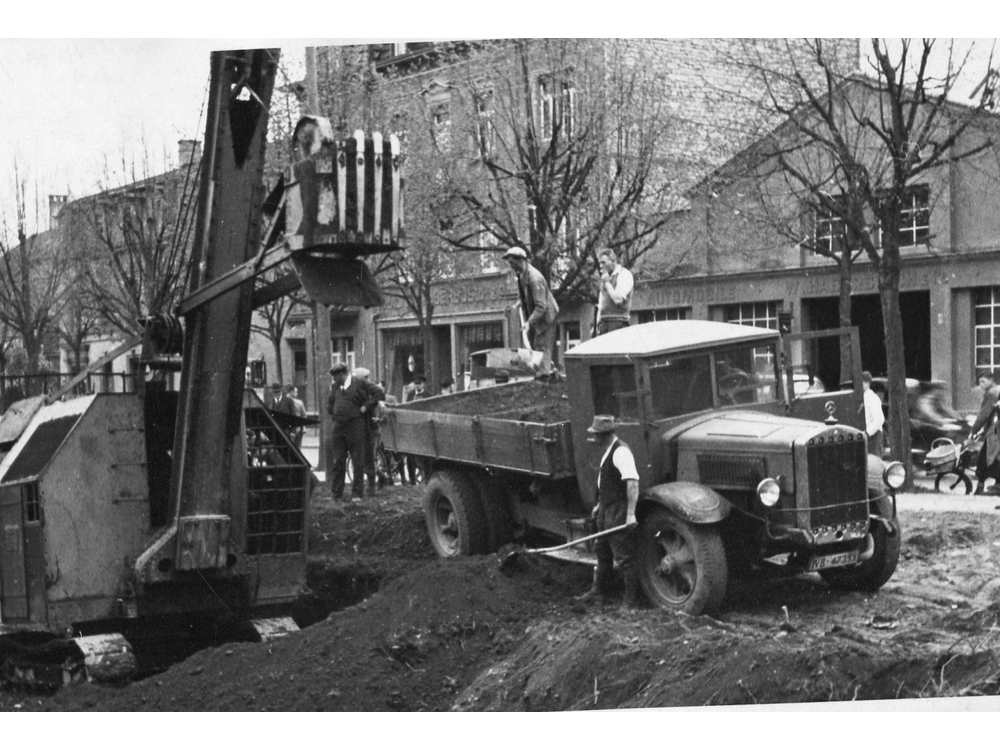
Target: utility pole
{"points": [[322, 344]]}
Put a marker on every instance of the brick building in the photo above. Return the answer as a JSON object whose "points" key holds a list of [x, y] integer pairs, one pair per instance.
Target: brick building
{"points": [[745, 269], [704, 85]]}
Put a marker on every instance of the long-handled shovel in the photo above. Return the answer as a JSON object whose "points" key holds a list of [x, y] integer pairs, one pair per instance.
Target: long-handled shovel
{"points": [[510, 557]]}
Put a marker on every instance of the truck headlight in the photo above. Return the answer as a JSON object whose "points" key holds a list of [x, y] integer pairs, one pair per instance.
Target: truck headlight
{"points": [[768, 491], [894, 475]]}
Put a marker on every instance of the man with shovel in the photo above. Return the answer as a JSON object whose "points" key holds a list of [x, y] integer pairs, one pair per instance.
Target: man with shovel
{"points": [[538, 306], [617, 495]]}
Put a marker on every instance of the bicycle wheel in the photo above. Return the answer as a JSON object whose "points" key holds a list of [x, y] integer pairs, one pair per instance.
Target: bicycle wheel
{"points": [[953, 483]]}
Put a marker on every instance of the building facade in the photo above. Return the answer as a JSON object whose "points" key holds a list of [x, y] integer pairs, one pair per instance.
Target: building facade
{"points": [[712, 114]]}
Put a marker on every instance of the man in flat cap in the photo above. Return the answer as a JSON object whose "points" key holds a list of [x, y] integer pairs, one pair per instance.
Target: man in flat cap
{"points": [[538, 304], [617, 496], [350, 400]]}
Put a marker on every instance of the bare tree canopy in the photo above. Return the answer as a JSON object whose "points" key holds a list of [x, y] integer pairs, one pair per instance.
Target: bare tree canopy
{"points": [[556, 145], [133, 244], [859, 158], [32, 287]]}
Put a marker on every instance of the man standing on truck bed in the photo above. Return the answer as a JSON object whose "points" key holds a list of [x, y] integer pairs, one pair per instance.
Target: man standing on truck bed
{"points": [[617, 495], [614, 308], [538, 304], [350, 400]]}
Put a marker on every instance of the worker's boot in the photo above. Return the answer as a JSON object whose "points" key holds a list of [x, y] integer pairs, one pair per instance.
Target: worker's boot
{"points": [[599, 589], [633, 592], [980, 487]]}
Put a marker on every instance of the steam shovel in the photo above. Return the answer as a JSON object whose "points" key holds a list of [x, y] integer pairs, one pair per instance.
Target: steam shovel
{"points": [[511, 557]]}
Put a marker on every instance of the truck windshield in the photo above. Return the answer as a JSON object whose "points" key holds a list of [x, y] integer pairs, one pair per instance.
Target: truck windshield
{"points": [[680, 385], [746, 375]]}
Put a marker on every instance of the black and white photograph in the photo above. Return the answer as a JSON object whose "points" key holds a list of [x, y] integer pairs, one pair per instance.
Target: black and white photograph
{"points": [[500, 374]]}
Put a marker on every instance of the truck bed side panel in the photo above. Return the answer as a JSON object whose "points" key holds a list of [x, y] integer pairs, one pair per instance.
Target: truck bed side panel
{"points": [[538, 449]]}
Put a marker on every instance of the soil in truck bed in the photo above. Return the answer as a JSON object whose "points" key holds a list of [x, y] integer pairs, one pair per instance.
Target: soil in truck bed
{"points": [[528, 401]]}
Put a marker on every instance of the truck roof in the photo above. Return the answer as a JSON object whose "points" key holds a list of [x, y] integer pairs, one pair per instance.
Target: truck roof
{"points": [[669, 336]]}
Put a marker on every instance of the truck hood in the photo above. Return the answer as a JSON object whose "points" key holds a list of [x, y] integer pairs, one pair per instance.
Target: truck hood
{"points": [[749, 432]]}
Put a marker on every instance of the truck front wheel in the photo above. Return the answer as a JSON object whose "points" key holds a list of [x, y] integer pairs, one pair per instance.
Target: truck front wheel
{"points": [[454, 515], [876, 570], [681, 566]]}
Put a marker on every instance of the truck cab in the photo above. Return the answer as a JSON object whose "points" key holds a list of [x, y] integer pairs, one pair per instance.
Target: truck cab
{"points": [[728, 468]]}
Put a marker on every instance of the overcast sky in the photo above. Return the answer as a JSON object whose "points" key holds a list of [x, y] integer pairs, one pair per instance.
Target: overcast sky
{"points": [[71, 109]]}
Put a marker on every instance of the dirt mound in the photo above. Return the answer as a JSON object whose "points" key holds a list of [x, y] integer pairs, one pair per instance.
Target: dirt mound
{"points": [[412, 646], [466, 635]]}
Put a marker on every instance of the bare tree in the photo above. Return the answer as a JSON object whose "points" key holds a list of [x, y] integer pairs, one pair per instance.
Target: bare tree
{"points": [[855, 147], [565, 155], [134, 243], [32, 289]]}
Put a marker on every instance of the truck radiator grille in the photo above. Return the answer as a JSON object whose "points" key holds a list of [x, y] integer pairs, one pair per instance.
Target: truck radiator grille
{"points": [[837, 470], [736, 472]]}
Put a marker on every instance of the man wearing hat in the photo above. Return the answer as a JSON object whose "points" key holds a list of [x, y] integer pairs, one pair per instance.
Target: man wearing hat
{"points": [[272, 396], [350, 400], [538, 304], [617, 496]]}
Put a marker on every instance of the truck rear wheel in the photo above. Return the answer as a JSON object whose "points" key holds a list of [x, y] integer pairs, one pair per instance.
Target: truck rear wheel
{"points": [[874, 572], [499, 523], [681, 566], [454, 515]]}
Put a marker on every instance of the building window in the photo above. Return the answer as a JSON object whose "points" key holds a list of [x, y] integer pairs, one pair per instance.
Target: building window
{"points": [[32, 503], [569, 335], [343, 351], [760, 314], [986, 311], [828, 230], [914, 217], [257, 376], [668, 313], [485, 133], [557, 106]]}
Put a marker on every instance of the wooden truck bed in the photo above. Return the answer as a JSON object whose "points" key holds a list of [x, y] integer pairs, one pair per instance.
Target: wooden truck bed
{"points": [[522, 427]]}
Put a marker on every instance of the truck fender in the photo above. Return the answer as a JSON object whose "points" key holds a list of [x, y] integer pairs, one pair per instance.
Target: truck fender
{"points": [[875, 468], [690, 501]]}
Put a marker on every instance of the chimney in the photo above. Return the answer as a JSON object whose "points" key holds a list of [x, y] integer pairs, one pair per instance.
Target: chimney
{"points": [[56, 204], [188, 152]]}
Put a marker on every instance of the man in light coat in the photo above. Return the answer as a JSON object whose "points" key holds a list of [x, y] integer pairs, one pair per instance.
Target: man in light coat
{"points": [[539, 307]]}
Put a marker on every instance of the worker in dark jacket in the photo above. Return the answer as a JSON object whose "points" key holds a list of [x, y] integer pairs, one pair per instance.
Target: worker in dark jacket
{"points": [[350, 400], [617, 496], [538, 305], [986, 465]]}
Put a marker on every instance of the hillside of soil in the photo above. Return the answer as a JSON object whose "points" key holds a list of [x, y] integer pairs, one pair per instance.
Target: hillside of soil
{"points": [[413, 633]]}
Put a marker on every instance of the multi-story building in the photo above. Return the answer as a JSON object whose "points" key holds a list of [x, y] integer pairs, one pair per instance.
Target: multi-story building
{"points": [[711, 106]]}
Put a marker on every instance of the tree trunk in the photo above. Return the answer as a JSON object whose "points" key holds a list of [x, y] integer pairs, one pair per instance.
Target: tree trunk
{"points": [[898, 425], [279, 376], [844, 315]]}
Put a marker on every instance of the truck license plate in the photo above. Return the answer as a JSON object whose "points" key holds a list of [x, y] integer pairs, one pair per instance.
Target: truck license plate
{"points": [[822, 562]]}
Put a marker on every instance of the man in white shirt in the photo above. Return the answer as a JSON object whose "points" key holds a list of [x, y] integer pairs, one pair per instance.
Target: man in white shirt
{"points": [[874, 417], [617, 496], [614, 308]]}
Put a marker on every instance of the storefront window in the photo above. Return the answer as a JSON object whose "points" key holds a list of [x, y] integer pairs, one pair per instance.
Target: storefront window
{"points": [[986, 309]]}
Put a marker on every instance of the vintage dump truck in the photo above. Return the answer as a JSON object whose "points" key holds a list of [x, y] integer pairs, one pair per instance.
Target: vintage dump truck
{"points": [[739, 475]]}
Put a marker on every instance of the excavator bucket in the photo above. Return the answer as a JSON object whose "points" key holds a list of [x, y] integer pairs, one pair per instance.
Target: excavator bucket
{"points": [[332, 281]]}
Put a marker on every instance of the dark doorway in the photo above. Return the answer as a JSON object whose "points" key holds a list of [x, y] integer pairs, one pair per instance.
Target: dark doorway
{"points": [[866, 314]]}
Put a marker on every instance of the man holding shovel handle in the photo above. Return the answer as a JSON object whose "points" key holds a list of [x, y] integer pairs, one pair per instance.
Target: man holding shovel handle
{"points": [[617, 496], [538, 307]]}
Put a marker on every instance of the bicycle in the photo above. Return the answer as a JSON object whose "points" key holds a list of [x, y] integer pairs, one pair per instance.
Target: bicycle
{"points": [[950, 464]]}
